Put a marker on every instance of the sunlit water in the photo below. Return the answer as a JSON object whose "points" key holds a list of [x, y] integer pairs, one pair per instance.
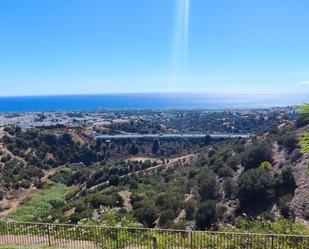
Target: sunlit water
{"points": [[147, 101]]}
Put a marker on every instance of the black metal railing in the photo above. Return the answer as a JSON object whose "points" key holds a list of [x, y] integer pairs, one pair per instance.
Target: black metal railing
{"points": [[95, 237]]}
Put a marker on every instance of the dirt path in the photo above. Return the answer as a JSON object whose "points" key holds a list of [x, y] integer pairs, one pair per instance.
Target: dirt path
{"points": [[15, 203], [21, 195], [126, 196], [2, 132], [45, 241]]}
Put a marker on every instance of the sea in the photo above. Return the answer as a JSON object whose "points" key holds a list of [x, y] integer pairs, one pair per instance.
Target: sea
{"points": [[154, 101]]}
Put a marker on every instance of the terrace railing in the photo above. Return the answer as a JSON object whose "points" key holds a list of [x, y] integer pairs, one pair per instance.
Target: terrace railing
{"points": [[95, 237]]}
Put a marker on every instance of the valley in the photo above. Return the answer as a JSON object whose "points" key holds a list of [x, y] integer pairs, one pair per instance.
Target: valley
{"points": [[63, 174]]}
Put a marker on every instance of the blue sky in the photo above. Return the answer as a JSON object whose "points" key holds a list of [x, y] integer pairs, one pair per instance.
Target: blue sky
{"points": [[101, 46]]}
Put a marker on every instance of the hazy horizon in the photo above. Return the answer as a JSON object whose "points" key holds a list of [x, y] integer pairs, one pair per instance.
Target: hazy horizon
{"points": [[158, 101]]}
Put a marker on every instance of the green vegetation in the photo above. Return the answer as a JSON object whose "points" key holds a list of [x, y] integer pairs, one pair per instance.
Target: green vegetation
{"points": [[304, 141], [281, 226], [206, 215], [100, 182], [256, 154], [41, 205], [256, 187], [304, 111], [158, 199], [112, 238]]}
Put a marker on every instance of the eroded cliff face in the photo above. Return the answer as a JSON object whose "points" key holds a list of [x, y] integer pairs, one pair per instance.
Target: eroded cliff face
{"points": [[300, 201]]}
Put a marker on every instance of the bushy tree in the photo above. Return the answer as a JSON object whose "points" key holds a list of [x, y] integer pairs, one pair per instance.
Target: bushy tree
{"points": [[208, 186], [146, 215], [190, 209], [289, 141], [255, 186], [254, 155], [166, 216], [133, 149], [285, 182], [229, 186], [225, 171], [206, 215], [114, 180], [155, 146]]}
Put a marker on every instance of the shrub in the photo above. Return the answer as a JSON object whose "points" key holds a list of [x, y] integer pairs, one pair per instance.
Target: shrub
{"points": [[285, 182], [304, 142], [208, 186], [266, 166], [229, 186], [281, 226], [133, 149], [190, 209], [166, 216], [255, 155], [114, 180], [41, 205], [289, 141], [283, 204], [255, 186], [146, 215], [225, 171], [206, 215], [233, 162]]}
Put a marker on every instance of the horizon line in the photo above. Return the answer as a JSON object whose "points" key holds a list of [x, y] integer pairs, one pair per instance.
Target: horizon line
{"points": [[148, 92]]}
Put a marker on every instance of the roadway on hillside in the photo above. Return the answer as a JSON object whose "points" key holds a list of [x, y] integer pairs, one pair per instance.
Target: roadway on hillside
{"points": [[171, 135]]}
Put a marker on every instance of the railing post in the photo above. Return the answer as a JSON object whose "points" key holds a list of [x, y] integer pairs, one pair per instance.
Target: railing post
{"points": [[190, 234], [48, 234], [272, 241], [154, 242], [117, 242]]}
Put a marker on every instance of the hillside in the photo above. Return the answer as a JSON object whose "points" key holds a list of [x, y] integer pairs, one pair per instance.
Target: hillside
{"points": [[62, 175]]}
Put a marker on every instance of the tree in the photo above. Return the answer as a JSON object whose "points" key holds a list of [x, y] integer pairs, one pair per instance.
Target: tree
{"points": [[256, 154], [208, 186], [166, 216], [255, 187], [229, 186], [225, 171], [206, 215], [207, 139], [285, 181], [147, 215], [155, 146], [114, 180], [190, 208], [289, 141], [133, 149], [66, 138], [98, 144]]}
